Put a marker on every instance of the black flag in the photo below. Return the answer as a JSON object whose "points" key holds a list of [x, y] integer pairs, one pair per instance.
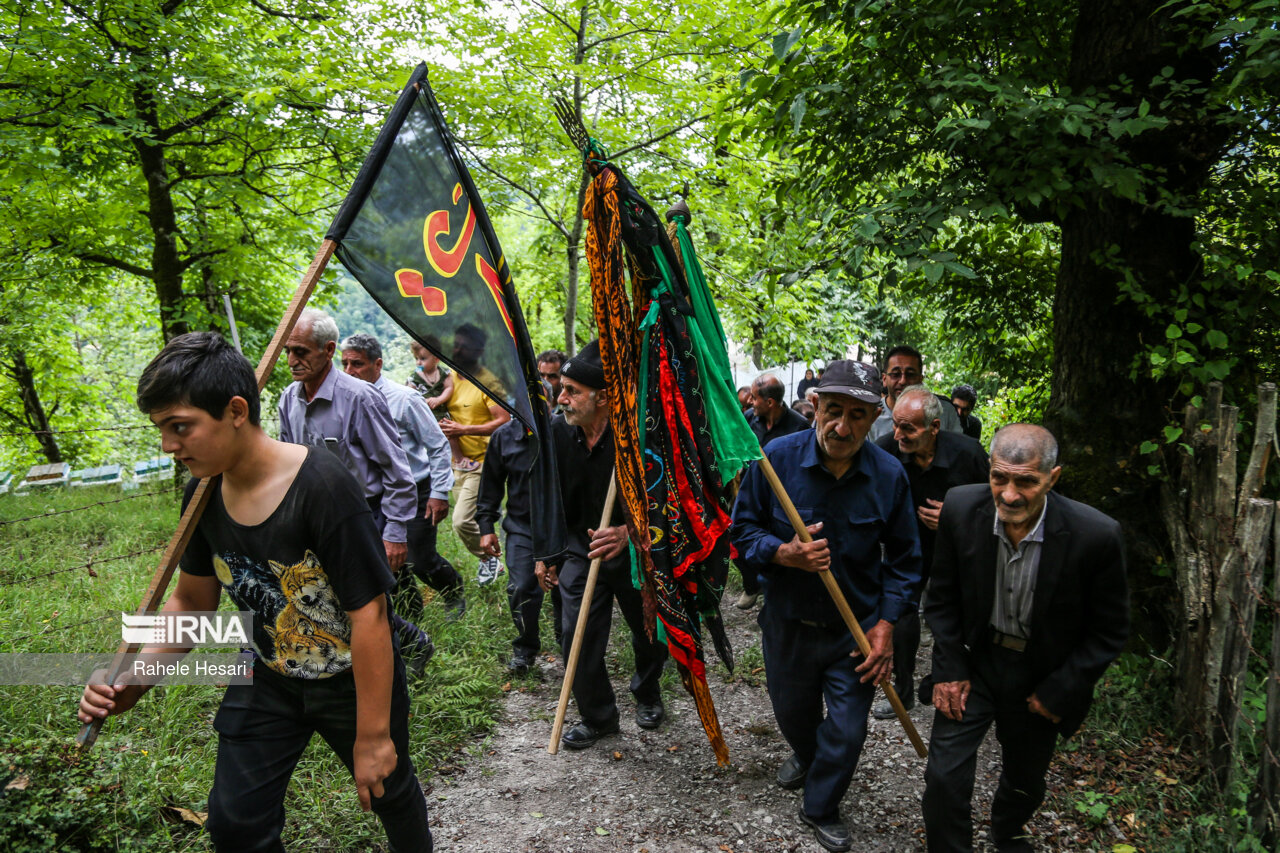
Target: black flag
{"points": [[414, 232]]}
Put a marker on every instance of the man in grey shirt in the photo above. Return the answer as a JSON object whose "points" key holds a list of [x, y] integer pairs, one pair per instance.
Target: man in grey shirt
{"points": [[429, 460], [904, 367], [326, 408]]}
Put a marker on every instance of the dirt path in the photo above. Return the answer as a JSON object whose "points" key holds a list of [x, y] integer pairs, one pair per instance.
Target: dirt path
{"points": [[660, 791]]}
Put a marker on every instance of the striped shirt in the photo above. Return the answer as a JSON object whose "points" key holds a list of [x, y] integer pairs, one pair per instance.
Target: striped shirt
{"points": [[1016, 570]]}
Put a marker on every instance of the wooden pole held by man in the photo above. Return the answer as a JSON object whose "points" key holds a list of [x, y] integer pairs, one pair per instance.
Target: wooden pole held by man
{"points": [[841, 604], [579, 630]]}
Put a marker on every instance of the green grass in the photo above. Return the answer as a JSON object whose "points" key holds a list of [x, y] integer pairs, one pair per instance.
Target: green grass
{"points": [[161, 754]]}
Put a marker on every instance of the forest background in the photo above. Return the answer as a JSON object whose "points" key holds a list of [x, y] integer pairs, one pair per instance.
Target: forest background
{"points": [[1070, 205]]}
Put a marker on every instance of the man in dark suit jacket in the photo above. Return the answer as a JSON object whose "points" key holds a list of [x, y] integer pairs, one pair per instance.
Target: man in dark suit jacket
{"points": [[1028, 605]]}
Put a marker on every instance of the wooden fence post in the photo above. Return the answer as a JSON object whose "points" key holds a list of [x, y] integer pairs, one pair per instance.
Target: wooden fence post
{"points": [[1220, 530], [1264, 805]]}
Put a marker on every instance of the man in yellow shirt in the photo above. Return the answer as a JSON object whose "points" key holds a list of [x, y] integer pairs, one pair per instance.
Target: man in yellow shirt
{"points": [[473, 416]]}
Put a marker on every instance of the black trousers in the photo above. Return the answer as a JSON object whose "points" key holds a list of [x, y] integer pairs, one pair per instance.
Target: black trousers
{"points": [[906, 642], [263, 729], [525, 596], [1000, 684], [591, 688], [405, 598], [427, 563]]}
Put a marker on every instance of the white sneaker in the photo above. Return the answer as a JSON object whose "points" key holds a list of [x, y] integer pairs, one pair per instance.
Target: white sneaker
{"points": [[488, 570]]}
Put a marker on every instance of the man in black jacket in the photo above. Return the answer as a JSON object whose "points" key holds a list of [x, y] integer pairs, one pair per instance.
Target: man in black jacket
{"points": [[936, 461], [1028, 605], [584, 450], [508, 467]]}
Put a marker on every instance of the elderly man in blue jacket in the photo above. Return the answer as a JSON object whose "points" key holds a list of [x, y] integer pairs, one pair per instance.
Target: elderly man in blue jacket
{"points": [[855, 500]]}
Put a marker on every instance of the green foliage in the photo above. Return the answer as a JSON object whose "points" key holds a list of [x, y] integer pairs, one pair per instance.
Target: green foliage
{"points": [[160, 157], [932, 141], [647, 83], [161, 754], [57, 798]]}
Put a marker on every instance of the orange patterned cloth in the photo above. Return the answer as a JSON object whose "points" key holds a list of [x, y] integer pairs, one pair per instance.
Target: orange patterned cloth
{"points": [[667, 476]]}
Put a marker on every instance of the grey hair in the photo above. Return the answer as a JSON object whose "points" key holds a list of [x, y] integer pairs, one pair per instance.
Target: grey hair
{"points": [[929, 402], [1026, 444], [366, 344], [323, 328]]}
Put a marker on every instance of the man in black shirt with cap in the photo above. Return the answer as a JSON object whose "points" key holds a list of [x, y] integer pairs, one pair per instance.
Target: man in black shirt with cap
{"points": [[585, 461]]}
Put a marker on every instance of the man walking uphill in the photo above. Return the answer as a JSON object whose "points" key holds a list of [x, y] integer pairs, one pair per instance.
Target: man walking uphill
{"points": [[854, 498], [1028, 605], [327, 408], [585, 462], [935, 462]]}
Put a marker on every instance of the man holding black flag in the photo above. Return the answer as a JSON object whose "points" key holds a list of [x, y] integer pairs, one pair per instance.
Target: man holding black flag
{"points": [[585, 461]]}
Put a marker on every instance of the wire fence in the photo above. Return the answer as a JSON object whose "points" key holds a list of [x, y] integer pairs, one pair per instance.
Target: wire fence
{"points": [[79, 509], [35, 433], [89, 567], [59, 628]]}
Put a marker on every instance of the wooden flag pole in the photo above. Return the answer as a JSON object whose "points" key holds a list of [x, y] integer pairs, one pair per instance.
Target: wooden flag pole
{"points": [[571, 665], [151, 600], [842, 605]]}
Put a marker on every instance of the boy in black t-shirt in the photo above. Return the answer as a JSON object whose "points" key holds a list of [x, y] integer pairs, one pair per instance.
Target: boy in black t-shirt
{"points": [[288, 534]]}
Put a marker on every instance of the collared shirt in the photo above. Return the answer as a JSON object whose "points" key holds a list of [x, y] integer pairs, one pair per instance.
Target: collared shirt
{"points": [[788, 422], [957, 461], [1016, 570], [350, 418], [869, 506], [884, 424], [508, 467], [469, 406], [584, 474], [424, 444]]}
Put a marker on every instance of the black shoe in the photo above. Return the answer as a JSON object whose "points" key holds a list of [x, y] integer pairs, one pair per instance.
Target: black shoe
{"points": [[417, 658], [521, 661], [650, 716], [883, 710], [455, 607], [831, 834], [584, 734], [791, 774]]}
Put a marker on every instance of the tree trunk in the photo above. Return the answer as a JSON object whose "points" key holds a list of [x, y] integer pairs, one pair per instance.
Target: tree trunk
{"points": [[166, 265], [33, 413], [1113, 247], [1219, 534]]}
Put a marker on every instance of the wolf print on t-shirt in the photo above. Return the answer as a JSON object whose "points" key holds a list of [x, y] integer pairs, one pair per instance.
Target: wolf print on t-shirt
{"points": [[300, 627]]}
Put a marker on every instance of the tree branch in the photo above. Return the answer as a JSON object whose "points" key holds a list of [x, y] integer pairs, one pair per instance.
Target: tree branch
{"points": [[603, 39], [661, 136], [276, 13], [561, 20], [108, 261], [194, 121], [192, 259], [550, 217]]}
